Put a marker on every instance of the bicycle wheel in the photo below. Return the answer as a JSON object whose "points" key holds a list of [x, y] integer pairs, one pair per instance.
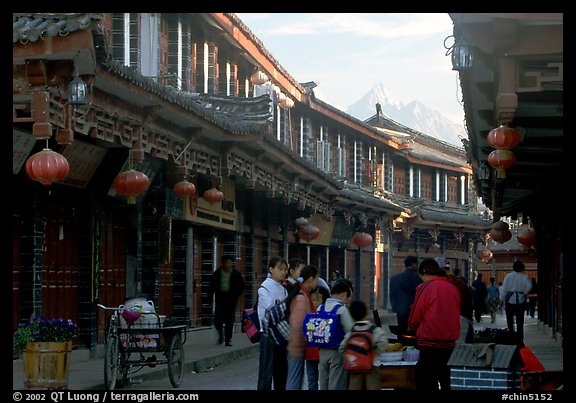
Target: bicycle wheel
{"points": [[175, 355], [111, 362]]}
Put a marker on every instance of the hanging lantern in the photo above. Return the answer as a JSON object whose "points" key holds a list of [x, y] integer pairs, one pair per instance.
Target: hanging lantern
{"points": [[213, 196], [280, 98], [131, 183], [501, 160], [527, 237], [485, 254], [500, 236], [500, 232], [362, 239], [500, 226], [309, 232], [184, 188], [286, 103], [301, 222], [47, 166], [503, 137], [259, 78]]}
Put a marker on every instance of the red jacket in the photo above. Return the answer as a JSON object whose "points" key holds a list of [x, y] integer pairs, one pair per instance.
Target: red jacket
{"points": [[435, 313]]}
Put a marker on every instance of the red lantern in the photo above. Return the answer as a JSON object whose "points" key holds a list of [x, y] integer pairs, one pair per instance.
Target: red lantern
{"points": [[310, 232], [213, 196], [526, 237], [259, 78], [184, 188], [131, 183], [501, 160], [500, 226], [301, 222], [47, 166], [503, 138], [500, 236], [485, 254], [362, 239]]}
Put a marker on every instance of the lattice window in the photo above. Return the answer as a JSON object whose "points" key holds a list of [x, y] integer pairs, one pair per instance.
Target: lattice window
{"points": [[125, 42]]}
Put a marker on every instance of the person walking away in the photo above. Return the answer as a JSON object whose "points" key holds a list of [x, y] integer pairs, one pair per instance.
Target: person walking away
{"points": [[272, 360], [298, 304], [226, 285], [365, 380], [516, 286], [533, 298], [435, 315], [466, 301], [331, 373], [312, 355], [493, 295], [402, 291], [480, 294], [294, 267]]}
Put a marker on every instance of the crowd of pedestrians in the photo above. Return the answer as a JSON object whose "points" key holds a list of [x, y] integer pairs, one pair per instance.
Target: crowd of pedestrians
{"points": [[430, 301]]}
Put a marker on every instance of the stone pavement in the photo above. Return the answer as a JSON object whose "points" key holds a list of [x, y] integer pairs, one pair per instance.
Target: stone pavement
{"points": [[202, 353]]}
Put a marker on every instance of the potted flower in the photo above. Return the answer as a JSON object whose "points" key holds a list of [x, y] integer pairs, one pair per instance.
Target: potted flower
{"points": [[46, 344]]}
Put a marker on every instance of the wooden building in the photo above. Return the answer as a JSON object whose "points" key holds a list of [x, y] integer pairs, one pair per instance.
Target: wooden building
{"points": [[171, 96]]}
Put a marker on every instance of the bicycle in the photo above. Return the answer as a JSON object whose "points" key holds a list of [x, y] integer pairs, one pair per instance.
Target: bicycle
{"points": [[127, 338]]}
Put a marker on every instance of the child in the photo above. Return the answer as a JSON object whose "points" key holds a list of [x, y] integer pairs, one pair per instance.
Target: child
{"points": [[365, 380], [331, 372]]}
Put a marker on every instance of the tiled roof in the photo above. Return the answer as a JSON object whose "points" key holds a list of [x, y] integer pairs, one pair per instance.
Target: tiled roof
{"points": [[473, 355], [236, 115], [30, 27]]}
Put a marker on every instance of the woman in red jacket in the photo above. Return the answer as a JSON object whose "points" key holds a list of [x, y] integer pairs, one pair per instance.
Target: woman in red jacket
{"points": [[435, 315]]}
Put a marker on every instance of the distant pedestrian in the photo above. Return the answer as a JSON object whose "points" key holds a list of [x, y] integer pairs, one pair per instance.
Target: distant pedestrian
{"points": [[226, 285], [516, 287], [493, 295], [334, 276], [402, 291], [533, 298], [272, 361], [435, 315], [479, 297]]}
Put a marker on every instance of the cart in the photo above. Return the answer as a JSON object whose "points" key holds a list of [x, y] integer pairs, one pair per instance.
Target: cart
{"points": [[129, 348]]}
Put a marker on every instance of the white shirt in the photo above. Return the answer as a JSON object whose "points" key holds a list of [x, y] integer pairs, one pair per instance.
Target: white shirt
{"points": [[269, 292], [519, 284]]}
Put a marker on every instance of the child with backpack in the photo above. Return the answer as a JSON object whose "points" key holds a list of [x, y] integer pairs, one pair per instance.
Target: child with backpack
{"points": [[331, 372], [360, 347]]}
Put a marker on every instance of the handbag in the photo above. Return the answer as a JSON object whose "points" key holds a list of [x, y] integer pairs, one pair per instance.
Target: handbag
{"points": [[251, 324]]}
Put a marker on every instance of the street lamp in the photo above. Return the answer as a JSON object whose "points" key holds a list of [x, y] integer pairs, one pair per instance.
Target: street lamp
{"points": [[461, 55]]}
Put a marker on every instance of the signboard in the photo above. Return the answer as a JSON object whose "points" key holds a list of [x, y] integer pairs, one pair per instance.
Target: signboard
{"points": [[221, 215], [83, 159], [326, 229]]}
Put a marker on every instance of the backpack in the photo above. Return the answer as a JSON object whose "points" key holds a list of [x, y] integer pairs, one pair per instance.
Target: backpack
{"points": [[359, 352], [322, 329], [277, 325], [251, 322]]}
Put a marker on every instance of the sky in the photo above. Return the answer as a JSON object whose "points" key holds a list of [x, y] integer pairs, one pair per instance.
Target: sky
{"points": [[347, 54]]}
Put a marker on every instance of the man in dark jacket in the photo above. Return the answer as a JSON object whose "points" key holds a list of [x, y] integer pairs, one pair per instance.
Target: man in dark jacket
{"points": [[227, 285], [402, 291]]}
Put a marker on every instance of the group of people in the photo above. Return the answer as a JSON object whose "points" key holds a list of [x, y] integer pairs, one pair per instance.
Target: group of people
{"points": [[428, 299], [439, 306], [303, 291]]}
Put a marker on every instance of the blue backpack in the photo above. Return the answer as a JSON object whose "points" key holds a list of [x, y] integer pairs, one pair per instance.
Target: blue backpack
{"points": [[322, 329]]}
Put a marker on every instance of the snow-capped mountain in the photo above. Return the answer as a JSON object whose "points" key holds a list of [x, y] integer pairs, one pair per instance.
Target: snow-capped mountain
{"points": [[414, 115]]}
